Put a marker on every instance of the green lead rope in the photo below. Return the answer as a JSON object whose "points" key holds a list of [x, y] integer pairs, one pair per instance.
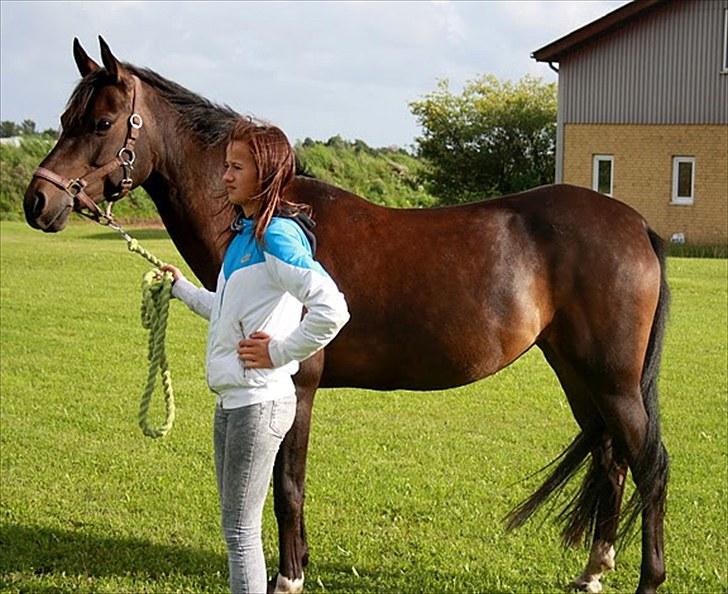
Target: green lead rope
{"points": [[156, 293]]}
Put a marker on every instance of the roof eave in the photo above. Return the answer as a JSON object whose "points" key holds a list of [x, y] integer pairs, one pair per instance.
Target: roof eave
{"points": [[610, 21]]}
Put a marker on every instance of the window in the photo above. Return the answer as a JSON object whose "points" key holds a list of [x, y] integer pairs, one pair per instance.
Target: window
{"points": [[603, 174], [683, 180]]}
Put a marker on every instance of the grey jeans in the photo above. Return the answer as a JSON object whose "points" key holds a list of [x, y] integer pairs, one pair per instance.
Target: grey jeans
{"points": [[246, 443]]}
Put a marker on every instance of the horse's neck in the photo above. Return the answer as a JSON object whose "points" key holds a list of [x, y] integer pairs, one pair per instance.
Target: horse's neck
{"points": [[184, 187]]}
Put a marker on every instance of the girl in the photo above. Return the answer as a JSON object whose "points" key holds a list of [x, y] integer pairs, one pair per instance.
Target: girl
{"points": [[257, 337]]}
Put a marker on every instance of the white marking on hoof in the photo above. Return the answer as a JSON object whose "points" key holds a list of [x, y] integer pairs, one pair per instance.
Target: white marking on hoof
{"points": [[581, 585], [601, 560], [285, 585]]}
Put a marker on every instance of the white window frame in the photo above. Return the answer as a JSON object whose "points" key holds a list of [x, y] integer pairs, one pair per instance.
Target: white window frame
{"points": [[595, 172], [675, 174]]}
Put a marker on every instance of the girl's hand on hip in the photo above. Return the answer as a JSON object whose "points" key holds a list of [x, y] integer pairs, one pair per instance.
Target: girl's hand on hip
{"points": [[253, 351]]}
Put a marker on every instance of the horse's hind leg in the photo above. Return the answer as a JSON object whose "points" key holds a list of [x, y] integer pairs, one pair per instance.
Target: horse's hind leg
{"points": [[289, 475], [601, 557], [637, 436], [611, 335], [625, 434], [601, 492]]}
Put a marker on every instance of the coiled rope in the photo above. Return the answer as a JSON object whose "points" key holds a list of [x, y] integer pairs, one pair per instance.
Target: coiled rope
{"points": [[156, 293]]}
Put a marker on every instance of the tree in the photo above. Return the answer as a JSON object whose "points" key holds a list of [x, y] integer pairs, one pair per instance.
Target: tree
{"points": [[8, 129], [27, 127], [495, 138], [336, 142], [360, 146]]}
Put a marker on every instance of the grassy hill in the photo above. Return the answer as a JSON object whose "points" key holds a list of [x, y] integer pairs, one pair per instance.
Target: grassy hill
{"points": [[387, 176]]}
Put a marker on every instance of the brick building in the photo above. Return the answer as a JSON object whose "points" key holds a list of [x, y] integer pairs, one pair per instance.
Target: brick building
{"points": [[643, 112]]}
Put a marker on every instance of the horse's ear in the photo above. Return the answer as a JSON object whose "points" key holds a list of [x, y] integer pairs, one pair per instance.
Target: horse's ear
{"points": [[112, 65], [85, 64]]}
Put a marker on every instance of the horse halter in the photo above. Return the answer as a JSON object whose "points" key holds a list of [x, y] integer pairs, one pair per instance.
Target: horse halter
{"points": [[125, 158]]}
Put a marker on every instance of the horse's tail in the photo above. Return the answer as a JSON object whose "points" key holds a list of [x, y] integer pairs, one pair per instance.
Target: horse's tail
{"points": [[580, 513], [583, 506]]}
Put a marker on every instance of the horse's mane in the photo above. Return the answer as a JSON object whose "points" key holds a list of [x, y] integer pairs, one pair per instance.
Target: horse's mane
{"points": [[210, 122]]}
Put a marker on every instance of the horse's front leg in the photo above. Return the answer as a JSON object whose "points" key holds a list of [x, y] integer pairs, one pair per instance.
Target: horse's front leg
{"points": [[289, 475]]}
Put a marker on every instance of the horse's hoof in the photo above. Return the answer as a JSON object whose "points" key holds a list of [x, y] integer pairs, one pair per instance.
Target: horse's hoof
{"points": [[582, 585], [284, 585]]}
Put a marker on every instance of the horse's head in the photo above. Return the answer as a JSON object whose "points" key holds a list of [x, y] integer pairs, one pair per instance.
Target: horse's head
{"points": [[104, 149]]}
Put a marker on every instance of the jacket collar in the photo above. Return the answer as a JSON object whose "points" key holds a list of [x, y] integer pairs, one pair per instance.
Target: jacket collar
{"points": [[305, 222]]}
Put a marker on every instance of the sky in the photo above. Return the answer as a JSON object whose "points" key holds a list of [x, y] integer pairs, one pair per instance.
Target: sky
{"points": [[316, 69]]}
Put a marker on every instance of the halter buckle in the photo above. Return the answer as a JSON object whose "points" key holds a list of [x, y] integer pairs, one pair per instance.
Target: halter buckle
{"points": [[74, 187]]}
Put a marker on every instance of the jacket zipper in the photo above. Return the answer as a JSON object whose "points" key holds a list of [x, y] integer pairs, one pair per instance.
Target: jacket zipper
{"points": [[242, 331]]}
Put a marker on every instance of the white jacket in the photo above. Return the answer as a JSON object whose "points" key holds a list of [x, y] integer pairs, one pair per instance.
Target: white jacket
{"points": [[263, 289]]}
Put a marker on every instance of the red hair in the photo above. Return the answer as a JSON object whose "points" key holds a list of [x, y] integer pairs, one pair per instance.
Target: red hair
{"points": [[275, 162]]}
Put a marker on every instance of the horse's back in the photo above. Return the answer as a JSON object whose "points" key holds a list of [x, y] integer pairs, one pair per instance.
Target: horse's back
{"points": [[554, 221], [548, 210]]}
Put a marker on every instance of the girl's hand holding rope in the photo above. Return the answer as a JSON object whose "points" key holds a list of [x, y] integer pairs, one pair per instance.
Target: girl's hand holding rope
{"points": [[176, 273]]}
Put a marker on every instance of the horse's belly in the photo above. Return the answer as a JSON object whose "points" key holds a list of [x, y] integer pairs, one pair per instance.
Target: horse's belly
{"points": [[460, 356]]}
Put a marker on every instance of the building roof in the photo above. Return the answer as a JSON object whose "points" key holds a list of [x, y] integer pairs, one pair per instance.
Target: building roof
{"points": [[602, 26]]}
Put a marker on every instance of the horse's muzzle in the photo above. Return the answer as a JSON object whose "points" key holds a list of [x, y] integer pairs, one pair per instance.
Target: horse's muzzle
{"points": [[45, 207]]}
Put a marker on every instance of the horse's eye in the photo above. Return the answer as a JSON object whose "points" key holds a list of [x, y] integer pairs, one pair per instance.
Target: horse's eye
{"points": [[103, 125]]}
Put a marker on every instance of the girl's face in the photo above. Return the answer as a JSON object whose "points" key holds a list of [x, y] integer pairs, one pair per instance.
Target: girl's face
{"points": [[241, 176]]}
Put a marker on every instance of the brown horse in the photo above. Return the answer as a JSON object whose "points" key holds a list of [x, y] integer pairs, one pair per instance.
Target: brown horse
{"points": [[438, 298]]}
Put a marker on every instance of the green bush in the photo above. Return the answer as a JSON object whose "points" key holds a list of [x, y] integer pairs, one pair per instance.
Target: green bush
{"points": [[16, 168]]}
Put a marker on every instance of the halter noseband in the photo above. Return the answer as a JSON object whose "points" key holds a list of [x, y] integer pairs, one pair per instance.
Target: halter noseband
{"points": [[125, 158]]}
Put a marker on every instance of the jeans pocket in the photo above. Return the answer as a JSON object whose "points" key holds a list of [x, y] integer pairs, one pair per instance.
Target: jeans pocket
{"points": [[282, 415]]}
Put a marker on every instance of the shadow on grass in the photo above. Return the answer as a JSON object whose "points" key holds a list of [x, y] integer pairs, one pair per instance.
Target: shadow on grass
{"points": [[42, 551], [140, 234], [41, 559]]}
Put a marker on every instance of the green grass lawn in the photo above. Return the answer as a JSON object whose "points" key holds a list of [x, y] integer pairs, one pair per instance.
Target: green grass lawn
{"points": [[406, 491]]}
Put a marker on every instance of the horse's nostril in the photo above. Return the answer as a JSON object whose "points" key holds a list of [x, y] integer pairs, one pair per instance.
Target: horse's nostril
{"points": [[38, 203]]}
